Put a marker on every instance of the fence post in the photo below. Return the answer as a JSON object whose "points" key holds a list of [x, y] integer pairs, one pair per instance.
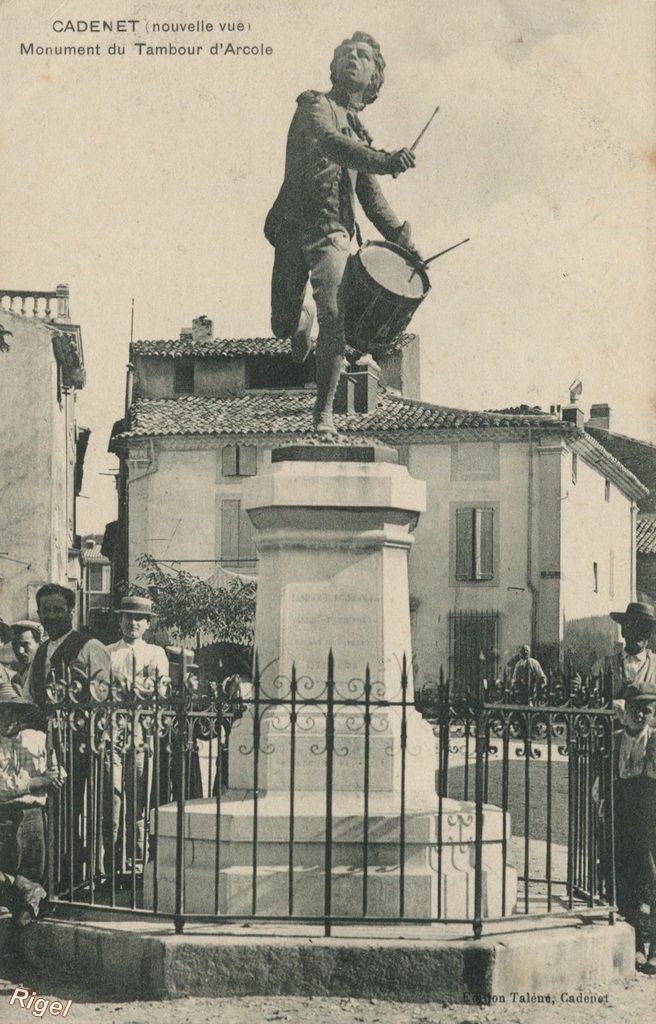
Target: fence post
{"points": [[53, 811], [478, 841], [404, 754], [330, 753], [181, 717]]}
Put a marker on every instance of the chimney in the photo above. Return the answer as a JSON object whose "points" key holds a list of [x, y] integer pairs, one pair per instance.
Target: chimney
{"points": [[574, 414], [599, 417], [186, 334], [201, 329], [366, 379]]}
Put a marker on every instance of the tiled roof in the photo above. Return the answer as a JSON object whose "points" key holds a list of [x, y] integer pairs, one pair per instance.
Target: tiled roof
{"points": [[522, 410], [638, 456], [289, 413], [396, 420], [646, 535], [226, 348], [92, 554]]}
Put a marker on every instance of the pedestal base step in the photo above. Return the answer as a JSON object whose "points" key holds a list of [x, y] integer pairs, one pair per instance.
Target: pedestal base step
{"points": [[385, 892]]}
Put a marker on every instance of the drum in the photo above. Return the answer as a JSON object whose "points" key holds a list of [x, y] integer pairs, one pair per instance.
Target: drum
{"points": [[383, 288]]}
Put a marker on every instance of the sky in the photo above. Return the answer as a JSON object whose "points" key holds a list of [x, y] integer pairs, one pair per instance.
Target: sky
{"points": [[149, 177]]}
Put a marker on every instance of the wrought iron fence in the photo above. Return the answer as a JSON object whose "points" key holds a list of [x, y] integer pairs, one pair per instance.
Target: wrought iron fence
{"points": [[315, 801]]}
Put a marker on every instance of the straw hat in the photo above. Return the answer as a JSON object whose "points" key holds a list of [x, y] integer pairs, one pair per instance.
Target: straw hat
{"points": [[140, 607]]}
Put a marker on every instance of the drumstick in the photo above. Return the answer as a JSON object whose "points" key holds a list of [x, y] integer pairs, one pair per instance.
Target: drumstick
{"points": [[419, 137], [431, 258]]}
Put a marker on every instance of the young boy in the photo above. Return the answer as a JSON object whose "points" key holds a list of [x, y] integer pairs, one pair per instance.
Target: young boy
{"points": [[25, 779], [635, 817]]}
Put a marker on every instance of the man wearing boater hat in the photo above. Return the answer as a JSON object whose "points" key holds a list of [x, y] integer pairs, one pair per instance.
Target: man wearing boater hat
{"points": [[329, 161], [137, 668]]}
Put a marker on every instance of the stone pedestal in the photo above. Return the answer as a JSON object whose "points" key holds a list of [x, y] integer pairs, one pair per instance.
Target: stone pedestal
{"points": [[333, 530]]}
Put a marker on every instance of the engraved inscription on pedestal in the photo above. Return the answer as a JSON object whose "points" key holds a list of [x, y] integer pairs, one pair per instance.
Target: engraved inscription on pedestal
{"points": [[335, 614]]}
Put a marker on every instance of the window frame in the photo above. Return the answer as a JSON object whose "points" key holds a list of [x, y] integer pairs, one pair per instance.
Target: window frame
{"points": [[479, 578], [235, 454]]}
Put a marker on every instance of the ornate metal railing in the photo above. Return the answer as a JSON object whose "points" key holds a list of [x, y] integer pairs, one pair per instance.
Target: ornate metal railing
{"points": [[126, 834]]}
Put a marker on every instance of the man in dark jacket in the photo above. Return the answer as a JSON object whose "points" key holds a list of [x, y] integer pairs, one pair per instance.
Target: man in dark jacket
{"points": [[329, 160], [81, 666], [67, 655]]}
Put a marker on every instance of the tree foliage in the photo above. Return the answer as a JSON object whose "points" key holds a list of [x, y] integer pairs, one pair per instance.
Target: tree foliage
{"points": [[190, 605]]}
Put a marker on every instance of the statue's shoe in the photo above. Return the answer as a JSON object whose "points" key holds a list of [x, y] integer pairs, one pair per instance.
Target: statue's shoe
{"points": [[325, 424]]}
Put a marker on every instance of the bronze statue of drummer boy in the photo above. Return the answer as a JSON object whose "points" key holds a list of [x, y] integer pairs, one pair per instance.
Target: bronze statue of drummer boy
{"points": [[329, 161]]}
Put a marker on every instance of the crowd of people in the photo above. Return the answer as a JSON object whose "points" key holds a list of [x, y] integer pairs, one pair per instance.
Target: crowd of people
{"points": [[52, 650]]}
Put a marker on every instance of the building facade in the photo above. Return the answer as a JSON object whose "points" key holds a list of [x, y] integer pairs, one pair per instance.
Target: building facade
{"points": [[640, 457], [42, 447], [529, 532]]}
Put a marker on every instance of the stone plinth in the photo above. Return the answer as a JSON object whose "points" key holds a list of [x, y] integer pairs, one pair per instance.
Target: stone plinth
{"points": [[431, 887], [333, 534]]}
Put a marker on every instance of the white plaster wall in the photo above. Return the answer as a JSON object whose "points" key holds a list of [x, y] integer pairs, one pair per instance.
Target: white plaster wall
{"points": [[175, 505], [172, 508], [32, 457], [591, 528], [431, 583], [154, 377]]}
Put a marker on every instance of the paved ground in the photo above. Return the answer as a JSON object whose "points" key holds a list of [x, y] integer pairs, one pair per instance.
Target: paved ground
{"points": [[91, 1006]]}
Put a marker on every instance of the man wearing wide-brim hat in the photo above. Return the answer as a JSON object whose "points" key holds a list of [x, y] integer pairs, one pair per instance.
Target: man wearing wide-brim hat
{"points": [[25, 779], [635, 663], [137, 669]]}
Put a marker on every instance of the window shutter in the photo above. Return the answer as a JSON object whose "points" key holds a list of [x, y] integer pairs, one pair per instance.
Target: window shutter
{"points": [[229, 460], [247, 460], [464, 543], [485, 533], [247, 552], [230, 530]]}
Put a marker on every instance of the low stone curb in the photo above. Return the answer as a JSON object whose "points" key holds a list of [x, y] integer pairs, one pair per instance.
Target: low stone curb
{"points": [[542, 965]]}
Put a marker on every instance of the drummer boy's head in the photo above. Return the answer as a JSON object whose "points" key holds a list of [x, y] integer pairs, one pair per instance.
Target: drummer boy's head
{"points": [[358, 67]]}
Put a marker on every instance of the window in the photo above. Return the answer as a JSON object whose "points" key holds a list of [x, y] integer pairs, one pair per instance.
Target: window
{"points": [[473, 648], [474, 544], [595, 577], [183, 377], [239, 460], [237, 544], [575, 467], [96, 578], [607, 490]]}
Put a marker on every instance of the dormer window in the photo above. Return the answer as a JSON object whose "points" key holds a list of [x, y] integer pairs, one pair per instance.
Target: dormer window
{"points": [[183, 377]]}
